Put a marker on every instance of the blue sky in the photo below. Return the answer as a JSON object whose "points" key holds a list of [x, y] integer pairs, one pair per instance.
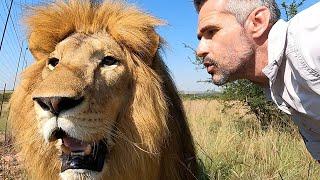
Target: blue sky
{"points": [[181, 27]]}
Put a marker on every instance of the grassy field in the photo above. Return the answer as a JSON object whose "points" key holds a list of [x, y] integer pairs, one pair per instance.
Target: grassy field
{"points": [[3, 116], [231, 145]]}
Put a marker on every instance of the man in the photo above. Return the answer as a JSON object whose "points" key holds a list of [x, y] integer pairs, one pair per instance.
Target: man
{"points": [[244, 39]]}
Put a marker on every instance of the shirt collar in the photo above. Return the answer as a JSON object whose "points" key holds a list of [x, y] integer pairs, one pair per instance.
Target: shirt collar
{"points": [[276, 47]]}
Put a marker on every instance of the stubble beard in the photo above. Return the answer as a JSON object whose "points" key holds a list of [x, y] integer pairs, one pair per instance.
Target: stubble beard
{"points": [[242, 59], [221, 77]]}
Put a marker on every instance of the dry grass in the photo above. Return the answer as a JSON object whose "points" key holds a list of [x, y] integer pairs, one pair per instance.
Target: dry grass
{"points": [[9, 166], [237, 148], [229, 147], [3, 117]]}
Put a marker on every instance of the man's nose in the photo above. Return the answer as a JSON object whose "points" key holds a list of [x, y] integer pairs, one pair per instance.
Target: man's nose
{"points": [[202, 50]]}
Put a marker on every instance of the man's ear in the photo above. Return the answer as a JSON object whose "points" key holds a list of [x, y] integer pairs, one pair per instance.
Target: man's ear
{"points": [[257, 22]]}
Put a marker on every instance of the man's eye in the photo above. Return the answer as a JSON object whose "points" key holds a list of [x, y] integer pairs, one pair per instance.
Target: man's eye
{"points": [[211, 32], [109, 61]]}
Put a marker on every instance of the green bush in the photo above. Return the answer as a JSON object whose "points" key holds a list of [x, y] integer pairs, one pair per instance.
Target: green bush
{"points": [[254, 97]]}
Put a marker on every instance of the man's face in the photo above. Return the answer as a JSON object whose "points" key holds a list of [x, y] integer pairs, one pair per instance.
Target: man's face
{"points": [[224, 46]]}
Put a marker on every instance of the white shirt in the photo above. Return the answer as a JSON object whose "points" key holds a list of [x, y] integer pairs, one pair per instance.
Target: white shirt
{"points": [[294, 72]]}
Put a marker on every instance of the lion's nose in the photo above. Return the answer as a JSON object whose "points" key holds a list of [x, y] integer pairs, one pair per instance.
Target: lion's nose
{"points": [[57, 104]]}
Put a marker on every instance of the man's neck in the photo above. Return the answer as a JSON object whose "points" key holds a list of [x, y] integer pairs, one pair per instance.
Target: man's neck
{"points": [[260, 62]]}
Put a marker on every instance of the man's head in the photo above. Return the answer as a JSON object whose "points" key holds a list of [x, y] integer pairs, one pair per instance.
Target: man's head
{"points": [[230, 34]]}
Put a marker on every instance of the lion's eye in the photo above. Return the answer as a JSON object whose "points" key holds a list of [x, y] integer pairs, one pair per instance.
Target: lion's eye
{"points": [[109, 61], [52, 63]]}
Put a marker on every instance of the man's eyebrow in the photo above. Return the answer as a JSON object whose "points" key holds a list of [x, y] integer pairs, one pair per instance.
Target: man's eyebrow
{"points": [[205, 28]]}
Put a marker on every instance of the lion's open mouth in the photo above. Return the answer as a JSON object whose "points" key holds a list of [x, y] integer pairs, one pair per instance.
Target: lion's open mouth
{"points": [[77, 154]]}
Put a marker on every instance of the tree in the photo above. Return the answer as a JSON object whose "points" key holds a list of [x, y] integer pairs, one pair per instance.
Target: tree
{"points": [[292, 8]]}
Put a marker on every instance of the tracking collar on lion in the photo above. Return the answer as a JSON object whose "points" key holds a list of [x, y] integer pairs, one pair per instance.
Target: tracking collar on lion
{"points": [[99, 102]]}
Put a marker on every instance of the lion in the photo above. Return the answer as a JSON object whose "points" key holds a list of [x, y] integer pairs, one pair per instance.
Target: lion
{"points": [[99, 102]]}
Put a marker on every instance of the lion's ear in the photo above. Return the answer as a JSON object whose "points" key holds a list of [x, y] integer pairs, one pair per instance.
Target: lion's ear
{"points": [[38, 54], [135, 32], [38, 50], [155, 44]]}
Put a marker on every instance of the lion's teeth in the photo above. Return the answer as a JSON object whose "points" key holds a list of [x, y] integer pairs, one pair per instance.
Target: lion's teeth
{"points": [[65, 149], [77, 154], [88, 150]]}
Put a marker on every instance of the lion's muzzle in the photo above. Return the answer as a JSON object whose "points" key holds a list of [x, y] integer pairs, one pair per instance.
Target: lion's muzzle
{"points": [[57, 104], [75, 154]]}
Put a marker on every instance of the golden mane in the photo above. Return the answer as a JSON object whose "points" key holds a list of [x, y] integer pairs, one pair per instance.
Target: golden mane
{"points": [[152, 127], [51, 23]]}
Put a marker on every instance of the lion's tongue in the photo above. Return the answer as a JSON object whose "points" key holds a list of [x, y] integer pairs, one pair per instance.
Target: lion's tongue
{"points": [[74, 144], [75, 157]]}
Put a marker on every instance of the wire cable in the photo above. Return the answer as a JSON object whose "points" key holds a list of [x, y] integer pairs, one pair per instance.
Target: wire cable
{"points": [[5, 26]]}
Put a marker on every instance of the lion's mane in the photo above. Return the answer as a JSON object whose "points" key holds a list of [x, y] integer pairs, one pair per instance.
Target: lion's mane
{"points": [[153, 123]]}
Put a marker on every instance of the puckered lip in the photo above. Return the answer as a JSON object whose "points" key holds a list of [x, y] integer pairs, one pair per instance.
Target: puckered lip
{"points": [[211, 69], [209, 66], [77, 154]]}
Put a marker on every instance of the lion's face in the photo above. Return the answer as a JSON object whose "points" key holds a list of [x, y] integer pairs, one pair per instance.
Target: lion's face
{"points": [[85, 86], [99, 102]]}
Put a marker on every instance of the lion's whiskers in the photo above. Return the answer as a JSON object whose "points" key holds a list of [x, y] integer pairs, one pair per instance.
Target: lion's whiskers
{"points": [[121, 136]]}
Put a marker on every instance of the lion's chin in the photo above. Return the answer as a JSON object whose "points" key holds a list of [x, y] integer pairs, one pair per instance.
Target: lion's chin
{"points": [[76, 174]]}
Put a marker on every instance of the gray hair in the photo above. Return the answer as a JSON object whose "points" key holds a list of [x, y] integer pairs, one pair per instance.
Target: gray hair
{"points": [[242, 8]]}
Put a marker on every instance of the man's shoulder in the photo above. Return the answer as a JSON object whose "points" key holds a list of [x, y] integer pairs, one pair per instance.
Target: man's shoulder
{"points": [[306, 19], [303, 43]]}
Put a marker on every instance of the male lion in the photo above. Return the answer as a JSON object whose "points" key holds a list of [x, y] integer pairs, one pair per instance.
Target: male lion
{"points": [[99, 103]]}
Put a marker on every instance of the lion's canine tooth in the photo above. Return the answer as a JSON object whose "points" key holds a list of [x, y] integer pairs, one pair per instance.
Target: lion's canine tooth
{"points": [[65, 149], [88, 150]]}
